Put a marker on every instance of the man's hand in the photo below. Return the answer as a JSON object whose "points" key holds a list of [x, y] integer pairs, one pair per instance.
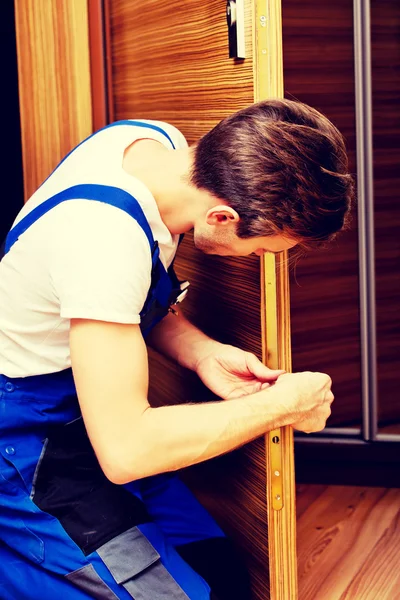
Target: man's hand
{"points": [[309, 399], [230, 372]]}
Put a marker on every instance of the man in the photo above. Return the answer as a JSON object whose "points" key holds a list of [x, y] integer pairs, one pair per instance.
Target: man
{"points": [[90, 507]]}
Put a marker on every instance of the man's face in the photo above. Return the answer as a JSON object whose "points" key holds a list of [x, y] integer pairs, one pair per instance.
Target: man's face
{"points": [[223, 241]]}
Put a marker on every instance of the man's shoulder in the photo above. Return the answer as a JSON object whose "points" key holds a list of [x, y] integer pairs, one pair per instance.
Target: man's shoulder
{"points": [[170, 131]]}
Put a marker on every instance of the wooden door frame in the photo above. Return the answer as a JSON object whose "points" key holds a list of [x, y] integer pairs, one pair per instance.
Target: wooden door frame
{"points": [[53, 83], [275, 320], [100, 66]]}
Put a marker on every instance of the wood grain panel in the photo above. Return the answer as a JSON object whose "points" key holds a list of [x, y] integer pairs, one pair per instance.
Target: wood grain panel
{"points": [[54, 83], [279, 456], [348, 543], [174, 66], [275, 321], [225, 302], [385, 53], [98, 75], [318, 70]]}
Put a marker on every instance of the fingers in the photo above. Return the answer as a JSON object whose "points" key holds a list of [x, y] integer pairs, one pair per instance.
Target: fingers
{"points": [[324, 380], [261, 371], [329, 397], [316, 422]]}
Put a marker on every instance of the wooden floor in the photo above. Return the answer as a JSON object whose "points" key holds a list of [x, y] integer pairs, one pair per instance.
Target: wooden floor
{"points": [[348, 542]]}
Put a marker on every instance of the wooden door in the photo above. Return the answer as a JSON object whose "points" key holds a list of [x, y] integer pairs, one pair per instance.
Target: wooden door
{"points": [[170, 62]]}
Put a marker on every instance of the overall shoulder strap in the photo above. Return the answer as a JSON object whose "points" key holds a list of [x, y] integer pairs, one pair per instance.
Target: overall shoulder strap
{"points": [[100, 193], [110, 197]]}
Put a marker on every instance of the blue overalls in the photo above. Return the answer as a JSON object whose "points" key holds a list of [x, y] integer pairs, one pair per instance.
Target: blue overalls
{"points": [[66, 531]]}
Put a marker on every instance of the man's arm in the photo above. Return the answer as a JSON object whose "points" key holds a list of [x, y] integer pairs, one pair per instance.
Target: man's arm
{"points": [[226, 370], [133, 440], [178, 339]]}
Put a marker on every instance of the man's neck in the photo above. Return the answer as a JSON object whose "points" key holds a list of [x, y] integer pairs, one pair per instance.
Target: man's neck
{"points": [[166, 174]]}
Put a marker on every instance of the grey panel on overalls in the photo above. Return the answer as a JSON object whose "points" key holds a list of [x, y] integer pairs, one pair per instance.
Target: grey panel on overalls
{"points": [[140, 572], [89, 581]]}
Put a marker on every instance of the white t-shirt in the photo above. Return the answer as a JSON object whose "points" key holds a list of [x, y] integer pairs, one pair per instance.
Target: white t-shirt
{"points": [[82, 259]]}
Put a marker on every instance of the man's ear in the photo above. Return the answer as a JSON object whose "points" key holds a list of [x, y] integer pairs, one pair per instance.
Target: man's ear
{"points": [[222, 215]]}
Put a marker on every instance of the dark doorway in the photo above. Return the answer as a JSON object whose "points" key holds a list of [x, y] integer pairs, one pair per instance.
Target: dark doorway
{"points": [[12, 188]]}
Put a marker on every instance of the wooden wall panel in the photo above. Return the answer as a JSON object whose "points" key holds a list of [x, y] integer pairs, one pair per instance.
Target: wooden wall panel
{"points": [[318, 70], [174, 66], [385, 53], [54, 83]]}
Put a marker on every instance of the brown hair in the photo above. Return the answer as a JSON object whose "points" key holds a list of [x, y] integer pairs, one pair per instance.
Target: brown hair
{"points": [[282, 166]]}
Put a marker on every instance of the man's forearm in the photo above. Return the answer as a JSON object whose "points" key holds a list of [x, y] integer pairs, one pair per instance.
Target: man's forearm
{"points": [[178, 339], [173, 437]]}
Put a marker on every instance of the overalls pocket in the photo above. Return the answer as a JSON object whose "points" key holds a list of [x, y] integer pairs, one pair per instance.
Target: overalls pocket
{"points": [[9, 469], [15, 469], [22, 540], [13, 530], [136, 565]]}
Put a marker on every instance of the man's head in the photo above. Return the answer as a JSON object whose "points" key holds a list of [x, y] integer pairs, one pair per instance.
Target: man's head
{"points": [[278, 170]]}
